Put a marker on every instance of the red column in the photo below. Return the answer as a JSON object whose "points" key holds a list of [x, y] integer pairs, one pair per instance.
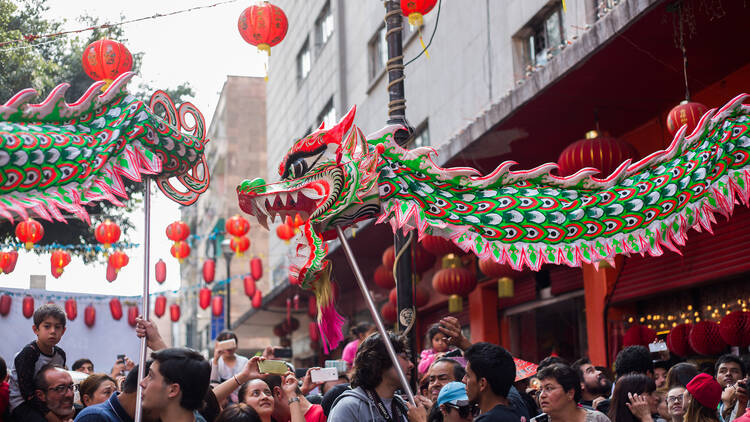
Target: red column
{"points": [[596, 286], [483, 313]]}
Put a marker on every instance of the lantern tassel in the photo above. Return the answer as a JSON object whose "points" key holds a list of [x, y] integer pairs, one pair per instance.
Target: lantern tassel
{"points": [[455, 304], [265, 68], [329, 321], [107, 83], [421, 42], [29, 245]]}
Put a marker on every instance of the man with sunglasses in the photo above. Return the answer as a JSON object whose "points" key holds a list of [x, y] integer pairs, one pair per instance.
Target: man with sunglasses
{"points": [[55, 389], [454, 403]]}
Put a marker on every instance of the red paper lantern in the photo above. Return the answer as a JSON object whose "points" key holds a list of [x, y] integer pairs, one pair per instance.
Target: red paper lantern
{"points": [[313, 331], [389, 313], [735, 329], [263, 26], [118, 259], [249, 286], [384, 277], [174, 312], [107, 233], [111, 273], [27, 307], [686, 113], [180, 250], [239, 245], [161, 271], [204, 297], [492, 269], [285, 232], [58, 261], [677, 340], [71, 309], [415, 9], [217, 306], [9, 261], [257, 301], [29, 232], [132, 315], [256, 268], [421, 296], [421, 259], [705, 339], [105, 60], [89, 316], [178, 231], [298, 221], [209, 270], [5, 302], [439, 246], [604, 153], [454, 281], [389, 257], [237, 226], [115, 308], [638, 335], [160, 306], [312, 307]]}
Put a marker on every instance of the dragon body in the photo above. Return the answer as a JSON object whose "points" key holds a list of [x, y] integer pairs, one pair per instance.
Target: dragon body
{"points": [[521, 218], [57, 157]]}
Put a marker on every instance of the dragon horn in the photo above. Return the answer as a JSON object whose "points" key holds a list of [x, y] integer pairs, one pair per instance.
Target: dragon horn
{"points": [[336, 134]]}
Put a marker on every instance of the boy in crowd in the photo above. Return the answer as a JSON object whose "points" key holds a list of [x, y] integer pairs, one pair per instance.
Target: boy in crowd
{"points": [[83, 365], [49, 327], [490, 373]]}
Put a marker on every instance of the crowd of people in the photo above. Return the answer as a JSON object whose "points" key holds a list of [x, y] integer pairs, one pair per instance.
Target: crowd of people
{"points": [[458, 382]]}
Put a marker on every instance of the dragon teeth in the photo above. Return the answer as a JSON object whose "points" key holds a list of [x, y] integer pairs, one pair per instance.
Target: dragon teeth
{"points": [[293, 196], [262, 220]]}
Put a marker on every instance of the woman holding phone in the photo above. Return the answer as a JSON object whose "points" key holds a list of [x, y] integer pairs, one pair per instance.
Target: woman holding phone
{"points": [[226, 363]]}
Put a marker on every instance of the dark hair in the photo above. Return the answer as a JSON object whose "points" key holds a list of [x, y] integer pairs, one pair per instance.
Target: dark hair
{"points": [[493, 363], [274, 381], [631, 383], [3, 369], [243, 388], [226, 335], [361, 328], [49, 310], [239, 412], [189, 370], [551, 360], [566, 376], [432, 332], [80, 362], [663, 364], [633, 359], [435, 414], [331, 395], [372, 360], [89, 385], [458, 370], [680, 374], [210, 408], [40, 379], [130, 385], [578, 364], [730, 358]]}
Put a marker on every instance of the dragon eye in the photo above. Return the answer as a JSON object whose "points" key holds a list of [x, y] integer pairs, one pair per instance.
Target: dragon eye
{"points": [[297, 168]]}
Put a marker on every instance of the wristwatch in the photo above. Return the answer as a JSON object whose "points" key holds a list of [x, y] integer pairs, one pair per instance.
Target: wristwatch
{"points": [[293, 399]]}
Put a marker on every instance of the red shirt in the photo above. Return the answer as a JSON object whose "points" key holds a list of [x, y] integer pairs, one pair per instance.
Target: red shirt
{"points": [[5, 397], [744, 418], [315, 414]]}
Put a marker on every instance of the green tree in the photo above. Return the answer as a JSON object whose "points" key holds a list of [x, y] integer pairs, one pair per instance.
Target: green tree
{"points": [[42, 64]]}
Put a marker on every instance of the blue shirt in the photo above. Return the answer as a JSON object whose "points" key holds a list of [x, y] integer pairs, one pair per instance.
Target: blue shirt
{"points": [[108, 411]]}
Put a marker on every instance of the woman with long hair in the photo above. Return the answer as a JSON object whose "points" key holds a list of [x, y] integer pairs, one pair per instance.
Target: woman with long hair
{"points": [[702, 398], [96, 388], [681, 374], [634, 399], [256, 394]]}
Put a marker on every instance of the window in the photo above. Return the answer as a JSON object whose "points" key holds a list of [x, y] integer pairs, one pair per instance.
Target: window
{"points": [[421, 137], [303, 61], [546, 35], [378, 49], [323, 26], [328, 115]]}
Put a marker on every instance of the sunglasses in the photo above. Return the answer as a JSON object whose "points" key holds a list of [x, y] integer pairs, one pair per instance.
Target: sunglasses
{"points": [[463, 407]]}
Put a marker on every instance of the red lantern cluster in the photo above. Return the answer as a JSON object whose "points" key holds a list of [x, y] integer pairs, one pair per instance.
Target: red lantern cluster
{"points": [[454, 281], [29, 232], [239, 245], [604, 153], [178, 232], [118, 259], [677, 340], [58, 261], [705, 339], [263, 26], [107, 233], [735, 329], [238, 226], [8, 261], [106, 60], [638, 335], [686, 113]]}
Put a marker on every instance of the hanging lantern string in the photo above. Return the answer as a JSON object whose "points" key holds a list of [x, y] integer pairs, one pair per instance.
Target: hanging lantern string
{"points": [[32, 37], [70, 247], [684, 52], [429, 43]]}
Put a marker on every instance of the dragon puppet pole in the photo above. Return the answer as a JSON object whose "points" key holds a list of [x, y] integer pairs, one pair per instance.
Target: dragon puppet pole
{"points": [[144, 298], [374, 313]]}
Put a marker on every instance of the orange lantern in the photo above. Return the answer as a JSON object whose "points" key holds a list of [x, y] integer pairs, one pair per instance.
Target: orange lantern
{"points": [[604, 153], [59, 260], [105, 60], [178, 231], [285, 232], [161, 271], [263, 26], [454, 281], [160, 306], [416, 9], [118, 259], [686, 113], [384, 277], [180, 250], [204, 297], [8, 261], [71, 309], [239, 245], [237, 226], [174, 312], [107, 233], [29, 232]]}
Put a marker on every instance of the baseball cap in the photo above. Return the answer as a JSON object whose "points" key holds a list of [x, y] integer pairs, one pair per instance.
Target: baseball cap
{"points": [[452, 392], [706, 390]]}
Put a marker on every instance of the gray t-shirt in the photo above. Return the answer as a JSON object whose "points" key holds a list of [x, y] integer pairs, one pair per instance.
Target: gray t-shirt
{"points": [[354, 405], [24, 357]]}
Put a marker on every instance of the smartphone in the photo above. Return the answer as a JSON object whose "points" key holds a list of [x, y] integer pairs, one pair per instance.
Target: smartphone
{"points": [[121, 358], [742, 384], [282, 352], [657, 347], [453, 354], [226, 344], [324, 375], [300, 373], [277, 367]]}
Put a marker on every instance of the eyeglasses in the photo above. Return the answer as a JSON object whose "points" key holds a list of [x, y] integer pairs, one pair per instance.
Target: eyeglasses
{"points": [[674, 399], [547, 389], [464, 408], [62, 389]]}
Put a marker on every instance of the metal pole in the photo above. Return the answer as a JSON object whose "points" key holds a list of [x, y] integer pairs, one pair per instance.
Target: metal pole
{"points": [[407, 312], [144, 298], [227, 295], [375, 314]]}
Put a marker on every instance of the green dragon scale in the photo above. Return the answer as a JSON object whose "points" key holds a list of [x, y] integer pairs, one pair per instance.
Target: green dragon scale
{"points": [[57, 157], [521, 218]]}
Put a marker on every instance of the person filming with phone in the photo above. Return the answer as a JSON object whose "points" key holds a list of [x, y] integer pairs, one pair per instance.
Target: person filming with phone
{"points": [[226, 362]]}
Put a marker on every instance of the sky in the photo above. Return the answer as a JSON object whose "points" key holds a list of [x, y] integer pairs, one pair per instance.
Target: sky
{"points": [[200, 47]]}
